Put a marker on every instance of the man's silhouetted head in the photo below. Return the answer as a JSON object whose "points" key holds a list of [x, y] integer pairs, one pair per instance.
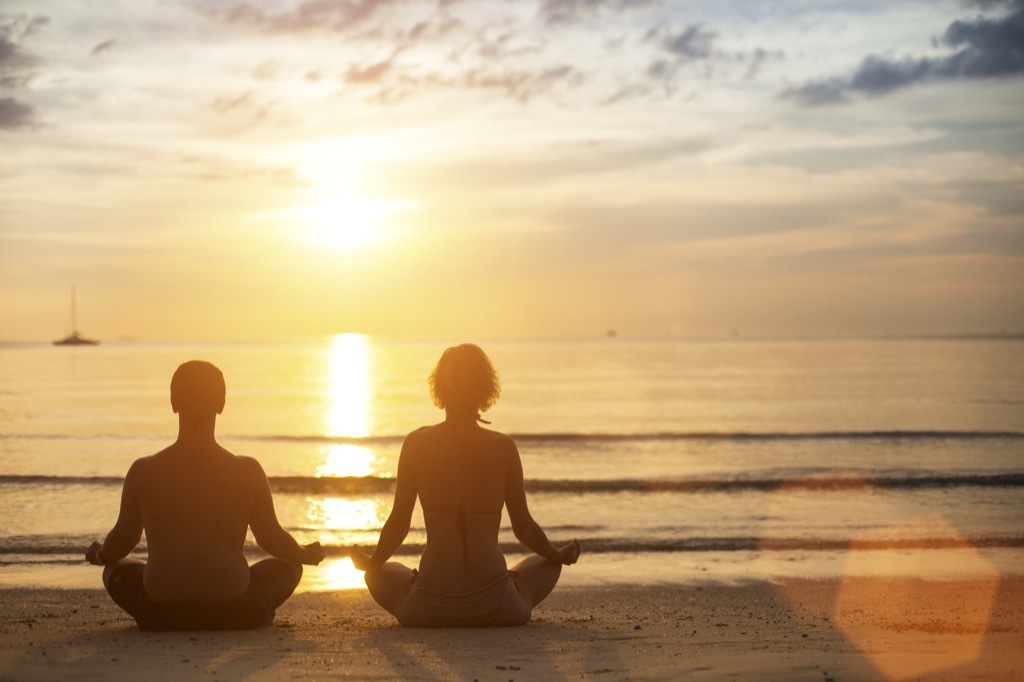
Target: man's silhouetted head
{"points": [[197, 390]]}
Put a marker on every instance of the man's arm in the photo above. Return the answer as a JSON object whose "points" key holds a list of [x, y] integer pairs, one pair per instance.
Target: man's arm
{"points": [[127, 531], [267, 530]]}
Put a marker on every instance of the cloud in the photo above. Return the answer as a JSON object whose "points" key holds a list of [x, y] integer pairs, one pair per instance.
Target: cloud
{"points": [[368, 74], [219, 170], [877, 76], [247, 108], [998, 197], [992, 4], [225, 105], [14, 114], [986, 48], [312, 15], [757, 59], [989, 47], [570, 11], [485, 61], [15, 66], [105, 46], [817, 93], [7, 49], [16, 70], [506, 45], [519, 85], [689, 44], [397, 50], [522, 86], [23, 26]]}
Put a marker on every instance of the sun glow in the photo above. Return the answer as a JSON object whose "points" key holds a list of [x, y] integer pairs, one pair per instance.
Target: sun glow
{"points": [[349, 222], [347, 204], [346, 222]]}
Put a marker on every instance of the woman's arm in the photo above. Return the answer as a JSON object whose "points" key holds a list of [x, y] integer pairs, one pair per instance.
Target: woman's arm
{"points": [[526, 529], [396, 528]]}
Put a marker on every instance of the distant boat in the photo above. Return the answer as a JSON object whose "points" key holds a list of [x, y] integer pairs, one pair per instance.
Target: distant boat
{"points": [[74, 338]]}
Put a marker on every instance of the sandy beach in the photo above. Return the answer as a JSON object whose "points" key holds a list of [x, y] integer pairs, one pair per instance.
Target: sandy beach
{"points": [[822, 630]]}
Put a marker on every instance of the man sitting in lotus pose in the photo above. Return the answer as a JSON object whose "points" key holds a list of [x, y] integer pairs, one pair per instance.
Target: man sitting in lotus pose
{"points": [[195, 501]]}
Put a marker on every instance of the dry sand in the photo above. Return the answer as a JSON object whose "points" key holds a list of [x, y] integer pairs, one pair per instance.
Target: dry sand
{"points": [[821, 630]]}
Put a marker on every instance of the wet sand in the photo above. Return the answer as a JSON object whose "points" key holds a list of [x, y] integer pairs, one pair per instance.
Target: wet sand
{"points": [[821, 630]]}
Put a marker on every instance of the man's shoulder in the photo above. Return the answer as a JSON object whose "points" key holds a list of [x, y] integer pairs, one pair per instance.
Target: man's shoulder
{"points": [[144, 463], [145, 470], [249, 467], [246, 462]]}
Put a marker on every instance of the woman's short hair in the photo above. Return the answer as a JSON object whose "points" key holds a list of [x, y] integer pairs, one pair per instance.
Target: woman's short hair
{"points": [[464, 379]]}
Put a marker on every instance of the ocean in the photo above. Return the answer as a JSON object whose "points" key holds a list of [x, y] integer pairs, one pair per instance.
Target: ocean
{"points": [[670, 460]]}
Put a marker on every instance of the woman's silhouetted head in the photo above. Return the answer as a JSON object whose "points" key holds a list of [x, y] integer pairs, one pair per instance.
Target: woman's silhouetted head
{"points": [[464, 380]]}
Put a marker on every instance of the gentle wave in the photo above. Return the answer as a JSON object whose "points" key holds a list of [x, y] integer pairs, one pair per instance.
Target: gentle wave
{"points": [[771, 436], [369, 485], [777, 484], [570, 437], [27, 549]]}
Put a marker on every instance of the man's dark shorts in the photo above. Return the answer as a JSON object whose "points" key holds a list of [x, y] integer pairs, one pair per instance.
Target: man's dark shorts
{"points": [[271, 582]]}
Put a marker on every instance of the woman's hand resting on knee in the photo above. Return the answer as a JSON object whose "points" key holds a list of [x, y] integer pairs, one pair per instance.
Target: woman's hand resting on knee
{"points": [[570, 553]]}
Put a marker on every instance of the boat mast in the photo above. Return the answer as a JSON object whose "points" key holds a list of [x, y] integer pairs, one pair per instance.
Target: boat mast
{"points": [[74, 313]]}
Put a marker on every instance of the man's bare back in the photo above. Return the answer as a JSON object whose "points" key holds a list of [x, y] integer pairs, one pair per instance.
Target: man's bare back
{"points": [[195, 501], [196, 505]]}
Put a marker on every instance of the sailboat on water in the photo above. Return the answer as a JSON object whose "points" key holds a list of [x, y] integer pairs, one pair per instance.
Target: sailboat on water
{"points": [[74, 338]]}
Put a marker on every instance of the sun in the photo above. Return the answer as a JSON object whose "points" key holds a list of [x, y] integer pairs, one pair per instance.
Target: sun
{"points": [[349, 222]]}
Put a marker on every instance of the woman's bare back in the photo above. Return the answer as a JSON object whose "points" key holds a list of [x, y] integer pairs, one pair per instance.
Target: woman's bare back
{"points": [[461, 473], [464, 476]]}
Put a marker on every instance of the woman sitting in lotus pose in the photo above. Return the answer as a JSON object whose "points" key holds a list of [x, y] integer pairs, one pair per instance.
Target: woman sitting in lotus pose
{"points": [[463, 475]]}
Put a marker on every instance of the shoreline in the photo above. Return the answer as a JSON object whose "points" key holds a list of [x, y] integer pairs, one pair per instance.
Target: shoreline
{"points": [[602, 570], [860, 628]]}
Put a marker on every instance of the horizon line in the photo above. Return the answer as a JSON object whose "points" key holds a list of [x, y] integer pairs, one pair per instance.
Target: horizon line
{"points": [[606, 336]]}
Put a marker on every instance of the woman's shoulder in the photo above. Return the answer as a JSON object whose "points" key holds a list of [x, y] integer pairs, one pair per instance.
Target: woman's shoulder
{"points": [[420, 438], [496, 435], [442, 433], [422, 432], [499, 440]]}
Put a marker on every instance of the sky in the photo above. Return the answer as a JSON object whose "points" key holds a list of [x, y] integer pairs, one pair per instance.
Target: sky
{"points": [[243, 169]]}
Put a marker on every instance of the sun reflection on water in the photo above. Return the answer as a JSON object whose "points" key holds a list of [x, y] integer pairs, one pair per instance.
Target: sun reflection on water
{"points": [[341, 459], [347, 414], [349, 389], [359, 515], [333, 574]]}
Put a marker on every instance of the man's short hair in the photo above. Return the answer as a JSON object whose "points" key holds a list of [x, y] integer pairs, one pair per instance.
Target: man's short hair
{"points": [[197, 389]]}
